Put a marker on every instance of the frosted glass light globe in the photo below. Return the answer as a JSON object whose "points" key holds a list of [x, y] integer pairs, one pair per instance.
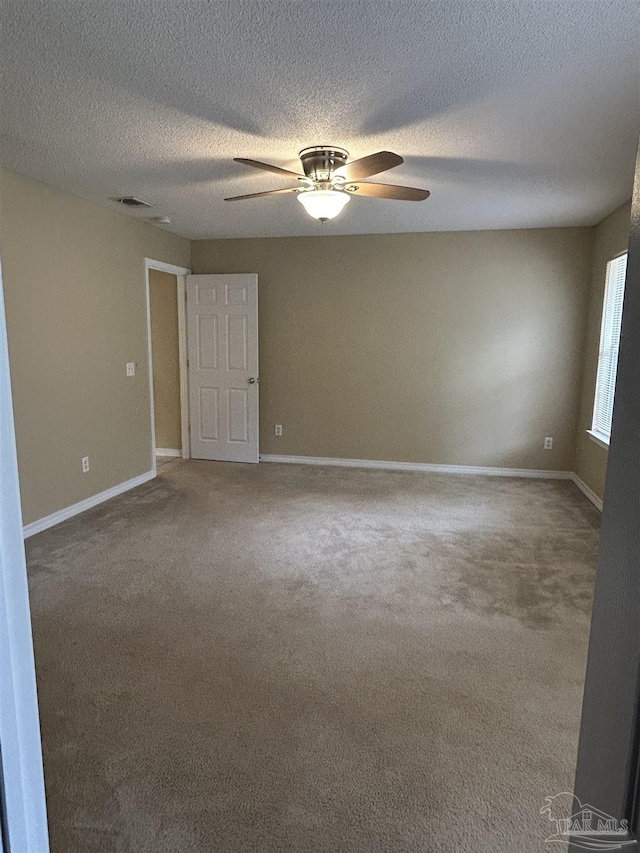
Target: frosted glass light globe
{"points": [[323, 204]]}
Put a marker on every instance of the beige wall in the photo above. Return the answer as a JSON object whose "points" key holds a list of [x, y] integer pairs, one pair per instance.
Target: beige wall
{"points": [[163, 302], [610, 238], [75, 299], [455, 348]]}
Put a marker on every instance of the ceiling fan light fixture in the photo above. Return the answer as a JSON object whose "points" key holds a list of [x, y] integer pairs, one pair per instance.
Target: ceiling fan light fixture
{"points": [[323, 204], [330, 179]]}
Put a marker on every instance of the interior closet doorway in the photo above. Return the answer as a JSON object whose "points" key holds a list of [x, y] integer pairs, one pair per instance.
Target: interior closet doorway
{"points": [[167, 362]]}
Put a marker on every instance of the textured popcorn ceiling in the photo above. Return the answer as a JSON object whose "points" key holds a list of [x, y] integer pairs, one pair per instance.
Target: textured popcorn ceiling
{"points": [[514, 114]]}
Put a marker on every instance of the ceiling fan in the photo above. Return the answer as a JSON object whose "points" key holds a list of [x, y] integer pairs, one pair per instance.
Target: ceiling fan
{"points": [[329, 180]]}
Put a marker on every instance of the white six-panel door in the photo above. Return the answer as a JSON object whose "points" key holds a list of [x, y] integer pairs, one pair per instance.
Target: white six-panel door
{"points": [[222, 331]]}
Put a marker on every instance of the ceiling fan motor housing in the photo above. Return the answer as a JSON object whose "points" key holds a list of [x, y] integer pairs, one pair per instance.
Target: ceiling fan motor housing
{"points": [[321, 161]]}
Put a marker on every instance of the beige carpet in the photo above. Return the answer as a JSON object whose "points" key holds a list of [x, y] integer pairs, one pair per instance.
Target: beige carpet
{"points": [[285, 658]]}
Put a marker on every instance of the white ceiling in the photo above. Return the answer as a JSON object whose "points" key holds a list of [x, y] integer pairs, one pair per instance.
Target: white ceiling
{"points": [[514, 114]]}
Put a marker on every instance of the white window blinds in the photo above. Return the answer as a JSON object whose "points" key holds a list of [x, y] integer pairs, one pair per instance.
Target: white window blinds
{"points": [[609, 343]]}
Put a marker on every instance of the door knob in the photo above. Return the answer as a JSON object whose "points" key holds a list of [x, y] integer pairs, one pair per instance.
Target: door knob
{"points": [[252, 380]]}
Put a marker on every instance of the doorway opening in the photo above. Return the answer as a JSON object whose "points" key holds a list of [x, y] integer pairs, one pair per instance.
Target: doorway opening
{"points": [[167, 352]]}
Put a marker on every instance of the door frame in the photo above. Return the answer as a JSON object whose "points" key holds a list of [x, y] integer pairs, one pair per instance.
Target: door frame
{"points": [[607, 773], [181, 296], [23, 810]]}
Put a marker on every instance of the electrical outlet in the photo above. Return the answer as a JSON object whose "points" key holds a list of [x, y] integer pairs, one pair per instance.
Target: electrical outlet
{"points": [[548, 443], [131, 368], [85, 464], [278, 429]]}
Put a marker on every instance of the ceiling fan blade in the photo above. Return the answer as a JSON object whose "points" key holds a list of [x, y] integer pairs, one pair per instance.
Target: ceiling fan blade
{"points": [[371, 165], [374, 190], [268, 192], [267, 167]]}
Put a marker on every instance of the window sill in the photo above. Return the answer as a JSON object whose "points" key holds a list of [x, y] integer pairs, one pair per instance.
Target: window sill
{"points": [[599, 438]]}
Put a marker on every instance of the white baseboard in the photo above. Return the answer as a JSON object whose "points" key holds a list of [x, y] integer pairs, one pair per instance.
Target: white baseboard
{"points": [[419, 466], [438, 469], [94, 500], [166, 451], [589, 493], [87, 503]]}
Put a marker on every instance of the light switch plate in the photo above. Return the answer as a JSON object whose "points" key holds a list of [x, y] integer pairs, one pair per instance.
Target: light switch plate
{"points": [[131, 368]]}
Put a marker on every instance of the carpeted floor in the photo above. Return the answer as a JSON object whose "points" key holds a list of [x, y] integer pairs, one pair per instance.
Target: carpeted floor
{"points": [[312, 660]]}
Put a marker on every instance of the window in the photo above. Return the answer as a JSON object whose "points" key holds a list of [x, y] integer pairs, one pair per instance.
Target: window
{"points": [[608, 352]]}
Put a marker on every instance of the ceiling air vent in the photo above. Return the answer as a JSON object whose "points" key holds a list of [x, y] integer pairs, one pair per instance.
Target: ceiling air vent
{"points": [[131, 201]]}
